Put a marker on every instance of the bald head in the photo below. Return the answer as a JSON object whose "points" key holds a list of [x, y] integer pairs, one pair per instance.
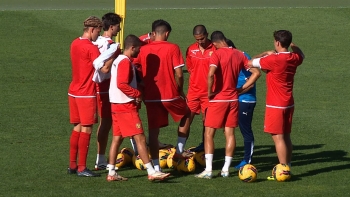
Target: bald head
{"points": [[200, 30]]}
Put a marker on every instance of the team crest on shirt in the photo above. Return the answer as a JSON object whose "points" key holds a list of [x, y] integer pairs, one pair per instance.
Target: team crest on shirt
{"points": [[210, 53], [138, 126]]}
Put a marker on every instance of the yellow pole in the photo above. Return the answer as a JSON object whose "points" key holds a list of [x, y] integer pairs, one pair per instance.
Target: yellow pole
{"points": [[120, 9]]}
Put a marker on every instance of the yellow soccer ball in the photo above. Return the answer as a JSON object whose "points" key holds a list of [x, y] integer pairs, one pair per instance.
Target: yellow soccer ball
{"points": [[163, 156], [187, 165], [120, 160], [138, 163], [200, 158], [129, 153], [171, 163], [281, 172], [248, 173]]}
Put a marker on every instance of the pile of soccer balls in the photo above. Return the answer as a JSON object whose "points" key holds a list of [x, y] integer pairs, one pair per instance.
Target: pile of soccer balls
{"points": [[248, 173]]}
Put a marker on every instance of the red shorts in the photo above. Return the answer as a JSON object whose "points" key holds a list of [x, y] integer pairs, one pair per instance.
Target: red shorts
{"points": [[103, 105], [126, 123], [82, 110], [278, 121], [197, 103], [157, 112], [222, 114]]}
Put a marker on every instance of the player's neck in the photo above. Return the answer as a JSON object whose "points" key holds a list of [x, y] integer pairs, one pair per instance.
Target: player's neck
{"points": [[86, 35], [107, 34], [281, 50]]}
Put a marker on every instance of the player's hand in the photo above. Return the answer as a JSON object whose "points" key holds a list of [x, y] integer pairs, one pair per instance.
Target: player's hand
{"points": [[270, 52], [138, 100], [182, 95], [211, 95]]}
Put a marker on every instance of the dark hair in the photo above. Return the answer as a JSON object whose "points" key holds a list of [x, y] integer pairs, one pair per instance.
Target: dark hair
{"points": [[284, 37], [230, 43], [217, 36], [161, 26], [110, 19], [199, 30], [131, 40]]}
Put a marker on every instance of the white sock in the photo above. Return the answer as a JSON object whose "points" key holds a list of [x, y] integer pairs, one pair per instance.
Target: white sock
{"points": [[156, 165], [150, 169], [133, 144], [181, 141], [227, 163], [208, 162], [100, 159], [111, 169]]}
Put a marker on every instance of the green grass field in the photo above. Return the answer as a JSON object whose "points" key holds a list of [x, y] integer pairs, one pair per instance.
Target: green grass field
{"points": [[35, 73]]}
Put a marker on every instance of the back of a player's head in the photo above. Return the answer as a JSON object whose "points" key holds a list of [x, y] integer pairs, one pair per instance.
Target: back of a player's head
{"points": [[217, 36], [161, 26], [284, 37], [92, 21], [110, 19], [200, 30], [131, 41], [230, 43]]}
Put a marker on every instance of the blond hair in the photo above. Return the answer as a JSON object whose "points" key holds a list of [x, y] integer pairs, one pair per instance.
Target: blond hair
{"points": [[92, 21]]}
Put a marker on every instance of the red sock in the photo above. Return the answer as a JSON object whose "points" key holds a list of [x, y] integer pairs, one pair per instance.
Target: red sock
{"points": [[84, 141], [73, 149]]}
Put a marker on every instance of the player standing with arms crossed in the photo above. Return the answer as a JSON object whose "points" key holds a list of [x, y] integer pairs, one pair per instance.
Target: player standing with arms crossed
{"points": [[280, 66], [82, 95], [161, 64], [197, 62], [125, 98], [225, 65], [111, 27]]}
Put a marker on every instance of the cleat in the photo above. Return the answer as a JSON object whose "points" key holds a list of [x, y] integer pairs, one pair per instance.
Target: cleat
{"points": [[116, 177], [243, 163], [71, 171], [158, 176], [204, 175], [224, 174], [199, 148], [271, 178], [87, 173], [101, 166]]}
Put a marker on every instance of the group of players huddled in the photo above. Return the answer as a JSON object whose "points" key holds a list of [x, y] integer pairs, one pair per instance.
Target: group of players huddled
{"points": [[150, 70]]}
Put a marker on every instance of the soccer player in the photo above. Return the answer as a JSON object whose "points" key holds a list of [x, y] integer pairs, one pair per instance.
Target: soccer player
{"points": [[280, 66], [146, 38], [125, 98], [161, 64], [225, 65], [246, 105], [197, 62], [111, 27], [82, 95]]}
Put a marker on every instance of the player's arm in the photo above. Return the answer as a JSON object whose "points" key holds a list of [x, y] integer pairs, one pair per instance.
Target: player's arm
{"points": [[108, 64], [180, 81], [124, 78], [264, 54], [296, 49], [252, 79], [188, 61], [212, 69]]}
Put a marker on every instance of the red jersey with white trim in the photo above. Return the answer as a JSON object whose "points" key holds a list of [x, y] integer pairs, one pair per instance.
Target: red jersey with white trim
{"points": [[83, 53], [198, 66], [229, 63], [145, 39], [103, 44], [281, 68], [158, 60]]}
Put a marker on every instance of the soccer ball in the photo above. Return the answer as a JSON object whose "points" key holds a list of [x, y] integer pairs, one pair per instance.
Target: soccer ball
{"points": [[248, 173], [200, 158], [138, 162], [120, 161], [187, 165], [128, 154], [281, 172], [172, 164], [163, 156], [171, 150]]}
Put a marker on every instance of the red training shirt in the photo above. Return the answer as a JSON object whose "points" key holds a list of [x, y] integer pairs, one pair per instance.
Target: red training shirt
{"points": [[82, 53], [229, 63], [158, 60]]}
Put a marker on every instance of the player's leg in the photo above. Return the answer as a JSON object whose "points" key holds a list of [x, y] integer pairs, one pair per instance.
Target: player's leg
{"points": [[229, 150], [245, 117], [112, 174], [87, 113], [140, 140], [288, 129], [104, 111], [209, 153], [281, 148], [74, 138]]}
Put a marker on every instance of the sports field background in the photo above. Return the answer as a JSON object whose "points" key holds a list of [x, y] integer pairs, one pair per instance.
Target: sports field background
{"points": [[35, 74]]}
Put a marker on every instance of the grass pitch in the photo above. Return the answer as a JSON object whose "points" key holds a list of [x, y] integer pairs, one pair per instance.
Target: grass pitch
{"points": [[35, 73]]}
